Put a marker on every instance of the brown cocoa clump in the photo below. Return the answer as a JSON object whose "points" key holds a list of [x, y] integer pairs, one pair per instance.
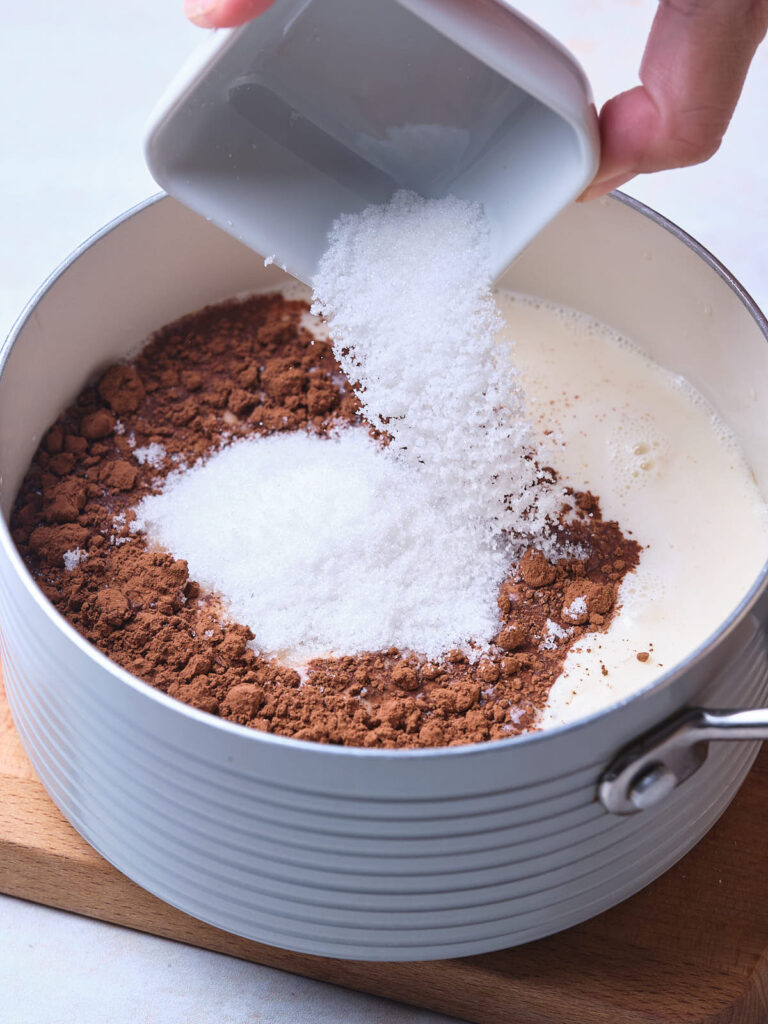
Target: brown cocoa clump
{"points": [[598, 598], [50, 543], [510, 637], [242, 702], [121, 388], [112, 606], [97, 425], [64, 500], [235, 370], [536, 570]]}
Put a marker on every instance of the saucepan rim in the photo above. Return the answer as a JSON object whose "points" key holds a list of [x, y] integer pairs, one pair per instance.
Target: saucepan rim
{"points": [[549, 735]]}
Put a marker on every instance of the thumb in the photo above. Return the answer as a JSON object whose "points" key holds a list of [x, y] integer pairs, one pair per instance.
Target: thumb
{"points": [[224, 13], [692, 72]]}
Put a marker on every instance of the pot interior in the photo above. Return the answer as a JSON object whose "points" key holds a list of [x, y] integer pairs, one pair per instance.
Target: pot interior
{"points": [[607, 259]]}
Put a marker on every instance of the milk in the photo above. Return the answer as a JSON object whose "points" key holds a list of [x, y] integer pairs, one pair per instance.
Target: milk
{"points": [[664, 466]]}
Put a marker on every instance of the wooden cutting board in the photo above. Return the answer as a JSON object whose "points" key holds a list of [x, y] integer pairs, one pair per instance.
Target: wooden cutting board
{"points": [[692, 947]]}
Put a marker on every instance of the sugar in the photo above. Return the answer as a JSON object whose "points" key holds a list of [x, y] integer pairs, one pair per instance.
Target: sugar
{"points": [[273, 260], [341, 545], [576, 608], [151, 455], [73, 558], [326, 545], [554, 633]]}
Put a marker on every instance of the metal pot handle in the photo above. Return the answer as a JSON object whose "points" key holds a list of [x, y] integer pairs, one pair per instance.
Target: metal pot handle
{"points": [[645, 772]]}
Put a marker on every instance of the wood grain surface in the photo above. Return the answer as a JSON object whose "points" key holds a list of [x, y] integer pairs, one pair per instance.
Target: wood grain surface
{"points": [[691, 948]]}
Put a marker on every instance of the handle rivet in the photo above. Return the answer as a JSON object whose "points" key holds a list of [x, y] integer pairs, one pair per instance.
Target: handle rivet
{"points": [[653, 785]]}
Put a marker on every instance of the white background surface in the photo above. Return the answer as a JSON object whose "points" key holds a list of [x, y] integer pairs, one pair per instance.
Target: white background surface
{"points": [[77, 81]]}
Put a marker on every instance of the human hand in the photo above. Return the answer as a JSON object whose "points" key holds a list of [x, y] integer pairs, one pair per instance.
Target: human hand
{"points": [[692, 73], [224, 13]]}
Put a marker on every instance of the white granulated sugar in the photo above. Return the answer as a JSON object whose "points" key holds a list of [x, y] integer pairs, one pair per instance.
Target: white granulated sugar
{"points": [[73, 557], [555, 632], [273, 259], [576, 608], [326, 545], [150, 455]]}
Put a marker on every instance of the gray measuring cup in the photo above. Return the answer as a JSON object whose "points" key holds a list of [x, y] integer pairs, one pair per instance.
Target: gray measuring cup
{"points": [[321, 107]]}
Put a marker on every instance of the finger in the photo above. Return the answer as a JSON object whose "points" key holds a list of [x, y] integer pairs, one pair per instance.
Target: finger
{"points": [[602, 188], [224, 13], [629, 134], [692, 74]]}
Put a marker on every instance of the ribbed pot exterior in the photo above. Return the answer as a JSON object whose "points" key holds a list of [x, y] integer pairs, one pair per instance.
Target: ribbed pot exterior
{"points": [[341, 852], [377, 855]]}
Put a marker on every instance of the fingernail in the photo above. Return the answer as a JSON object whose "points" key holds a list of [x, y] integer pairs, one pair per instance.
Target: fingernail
{"points": [[601, 188], [199, 12]]}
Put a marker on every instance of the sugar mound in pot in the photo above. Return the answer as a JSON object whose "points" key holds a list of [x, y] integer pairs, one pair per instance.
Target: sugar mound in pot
{"points": [[326, 544], [341, 545]]}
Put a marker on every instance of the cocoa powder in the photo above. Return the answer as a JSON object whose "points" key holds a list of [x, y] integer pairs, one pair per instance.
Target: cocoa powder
{"points": [[244, 368]]}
